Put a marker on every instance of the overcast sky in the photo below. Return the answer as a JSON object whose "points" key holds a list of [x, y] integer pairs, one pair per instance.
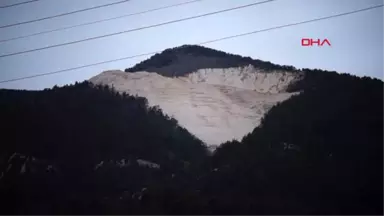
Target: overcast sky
{"points": [[357, 39]]}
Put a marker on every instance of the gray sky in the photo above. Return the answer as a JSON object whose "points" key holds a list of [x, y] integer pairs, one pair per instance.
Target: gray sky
{"points": [[357, 39]]}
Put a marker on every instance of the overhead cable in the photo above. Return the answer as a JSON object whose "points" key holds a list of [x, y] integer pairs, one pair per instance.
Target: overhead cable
{"points": [[101, 20], [62, 14], [201, 43], [17, 4], [135, 29]]}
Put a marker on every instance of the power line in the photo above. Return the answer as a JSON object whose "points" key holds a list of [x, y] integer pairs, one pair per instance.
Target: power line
{"points": [[201, 43], [102, 20], [63, 14], [135, 29], [293, 24], [17, 4]]}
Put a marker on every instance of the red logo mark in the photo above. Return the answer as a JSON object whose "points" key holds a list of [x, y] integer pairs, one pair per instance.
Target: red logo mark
{"points": [[310, 42]]}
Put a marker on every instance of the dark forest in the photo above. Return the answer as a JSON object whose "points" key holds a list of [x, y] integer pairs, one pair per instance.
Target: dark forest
{"points": [[319, 152]]}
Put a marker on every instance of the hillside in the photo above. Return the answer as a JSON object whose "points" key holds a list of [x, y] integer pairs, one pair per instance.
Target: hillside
{"points": [[57, 142], [85, 111], [319, 152], [317, 147]]}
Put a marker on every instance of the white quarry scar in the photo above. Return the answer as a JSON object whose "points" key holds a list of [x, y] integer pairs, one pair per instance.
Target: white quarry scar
{"points": [[216, 105]]}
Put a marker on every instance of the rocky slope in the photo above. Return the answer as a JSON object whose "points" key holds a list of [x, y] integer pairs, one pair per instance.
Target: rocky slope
{"points": [[216, 105]]}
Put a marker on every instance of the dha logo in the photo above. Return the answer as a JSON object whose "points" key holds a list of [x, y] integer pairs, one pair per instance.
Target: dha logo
{"points": [[310, 42]]}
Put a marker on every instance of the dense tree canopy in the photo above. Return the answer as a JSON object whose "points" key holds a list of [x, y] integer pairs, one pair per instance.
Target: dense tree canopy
{"points": [[185, 59], [76, 127], [318, 152]]}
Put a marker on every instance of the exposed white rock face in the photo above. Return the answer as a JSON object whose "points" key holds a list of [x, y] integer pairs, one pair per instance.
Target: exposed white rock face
{"points": [[127, 162], [245, 78], [148, 164], [216, 105]]}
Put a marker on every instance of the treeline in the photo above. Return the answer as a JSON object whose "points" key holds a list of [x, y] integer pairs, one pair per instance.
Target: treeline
{"points": [[185, 59]]}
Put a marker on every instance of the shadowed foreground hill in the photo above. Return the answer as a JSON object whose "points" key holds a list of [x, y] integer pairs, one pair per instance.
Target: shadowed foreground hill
{"points": [[82, 119], [320, 152], [70, 130]]}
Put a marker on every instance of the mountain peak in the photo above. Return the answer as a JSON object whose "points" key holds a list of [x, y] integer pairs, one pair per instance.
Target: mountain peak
{"points": [[185, 59]]}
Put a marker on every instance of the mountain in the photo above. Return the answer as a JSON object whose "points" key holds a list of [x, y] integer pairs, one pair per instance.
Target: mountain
{"points": [[214, 95], [315, 147]]}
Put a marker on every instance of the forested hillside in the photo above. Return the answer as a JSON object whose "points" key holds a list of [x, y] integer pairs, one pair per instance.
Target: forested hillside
{"points": [[85, 119], [318, 152], [186, 59], [70, 130], [84, 149]]}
